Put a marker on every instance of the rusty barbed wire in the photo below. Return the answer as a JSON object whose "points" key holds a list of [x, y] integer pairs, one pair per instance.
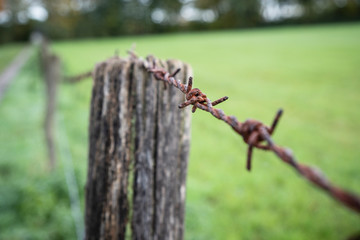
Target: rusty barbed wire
{"points": [[78, 78], [254, 133]]}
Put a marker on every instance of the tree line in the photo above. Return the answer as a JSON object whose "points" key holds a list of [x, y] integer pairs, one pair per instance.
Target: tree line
{"points": [[61, 19]]}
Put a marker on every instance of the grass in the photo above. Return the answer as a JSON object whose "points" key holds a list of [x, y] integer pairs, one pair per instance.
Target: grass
{"points": [[34, 203], [7, 53], [311, 72]]}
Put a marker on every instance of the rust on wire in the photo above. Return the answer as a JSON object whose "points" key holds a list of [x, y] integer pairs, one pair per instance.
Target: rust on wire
{"points": [[253, 132]]}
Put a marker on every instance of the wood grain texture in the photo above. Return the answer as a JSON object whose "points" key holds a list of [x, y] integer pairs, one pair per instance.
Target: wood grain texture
{"points": [[138, 153]]}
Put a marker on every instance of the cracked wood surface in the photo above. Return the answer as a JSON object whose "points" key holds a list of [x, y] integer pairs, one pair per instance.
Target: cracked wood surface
{"points": [[138, 153]]}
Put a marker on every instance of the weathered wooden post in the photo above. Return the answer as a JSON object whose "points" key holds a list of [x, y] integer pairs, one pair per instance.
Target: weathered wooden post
{"points": [[51, 67], [138, 153]]}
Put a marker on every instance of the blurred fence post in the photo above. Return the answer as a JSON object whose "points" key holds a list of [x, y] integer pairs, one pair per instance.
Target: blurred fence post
{"points": [[138, 153], [51, 69]]}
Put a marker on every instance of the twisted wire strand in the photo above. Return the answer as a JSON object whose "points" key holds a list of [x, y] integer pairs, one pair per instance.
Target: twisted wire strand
{"points": [[255, 134], [78, 78]]}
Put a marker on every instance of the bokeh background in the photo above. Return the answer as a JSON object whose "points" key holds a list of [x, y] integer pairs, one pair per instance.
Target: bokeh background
{"points": [[61, 19], [300, 55]]}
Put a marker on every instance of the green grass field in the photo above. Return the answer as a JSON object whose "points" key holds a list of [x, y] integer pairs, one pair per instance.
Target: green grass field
{"points": [[7, 53], [313, 73]]}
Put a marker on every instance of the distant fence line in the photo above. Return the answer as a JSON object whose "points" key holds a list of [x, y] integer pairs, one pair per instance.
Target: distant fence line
{"points": [[52, 73]]}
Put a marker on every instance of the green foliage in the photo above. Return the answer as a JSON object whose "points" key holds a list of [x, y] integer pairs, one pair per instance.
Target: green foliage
{"points": [[310, 72]]}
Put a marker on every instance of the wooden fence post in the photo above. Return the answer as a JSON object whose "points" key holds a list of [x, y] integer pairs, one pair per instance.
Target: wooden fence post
{"points": [[51, 68], [138, 153]]}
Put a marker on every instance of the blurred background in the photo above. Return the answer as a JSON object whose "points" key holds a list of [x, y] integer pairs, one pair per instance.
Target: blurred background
{"points": [[61, 19], [300, 55]]}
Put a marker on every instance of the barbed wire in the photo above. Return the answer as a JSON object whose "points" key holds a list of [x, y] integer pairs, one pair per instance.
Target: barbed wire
{"points": [[78, 78], [254, 133]]}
